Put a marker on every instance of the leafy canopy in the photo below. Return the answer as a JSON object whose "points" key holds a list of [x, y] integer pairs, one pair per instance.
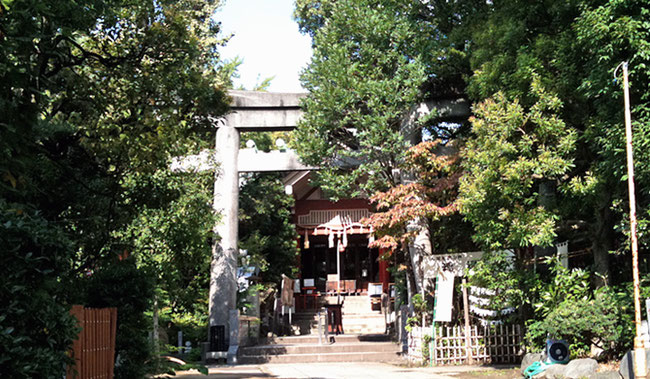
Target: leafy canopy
{"points": [[511, 154], [364, 76]]}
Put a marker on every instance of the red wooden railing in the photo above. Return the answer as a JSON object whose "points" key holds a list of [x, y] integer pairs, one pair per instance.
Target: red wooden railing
{"points": [[94, 349]]}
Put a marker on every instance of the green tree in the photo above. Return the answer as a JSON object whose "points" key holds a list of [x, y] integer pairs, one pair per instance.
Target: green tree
{"points": [[511, 159], [573, 48], [96, 97], [364, 77], [265, 228], [607, 34]]}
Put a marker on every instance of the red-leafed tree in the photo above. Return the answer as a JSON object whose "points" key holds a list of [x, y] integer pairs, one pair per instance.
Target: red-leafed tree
{"points": [[430, 194]]}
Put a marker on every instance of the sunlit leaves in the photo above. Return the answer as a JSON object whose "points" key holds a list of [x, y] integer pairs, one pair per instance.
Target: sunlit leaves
{"points": [[363, 79], [512, 155]]}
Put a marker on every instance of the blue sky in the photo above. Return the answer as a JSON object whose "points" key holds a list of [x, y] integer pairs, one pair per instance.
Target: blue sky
{"points": [[267, 39]]}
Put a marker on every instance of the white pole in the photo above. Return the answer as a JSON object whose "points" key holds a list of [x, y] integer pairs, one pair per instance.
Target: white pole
{"points": [[338, 271]]}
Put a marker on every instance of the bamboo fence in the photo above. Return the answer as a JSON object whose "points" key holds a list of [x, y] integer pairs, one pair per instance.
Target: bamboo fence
{"points": [[94, 349]]}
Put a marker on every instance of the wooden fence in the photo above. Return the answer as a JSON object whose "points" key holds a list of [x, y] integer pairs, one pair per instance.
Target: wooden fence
{"points": [[94, 349], [489, 344]]}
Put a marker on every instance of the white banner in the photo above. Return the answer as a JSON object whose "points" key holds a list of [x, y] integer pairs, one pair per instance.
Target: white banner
{"points": [[444, 296]]}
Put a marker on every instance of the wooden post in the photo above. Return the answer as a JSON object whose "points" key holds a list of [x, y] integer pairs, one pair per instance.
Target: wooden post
{"points": [[639, 351], [468, 330]]}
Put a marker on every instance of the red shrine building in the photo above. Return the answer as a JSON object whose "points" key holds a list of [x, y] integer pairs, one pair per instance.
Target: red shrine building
{"points": [[333, 241]]}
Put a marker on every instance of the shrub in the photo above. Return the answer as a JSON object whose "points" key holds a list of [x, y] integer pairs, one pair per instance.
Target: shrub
{"points": [[604, 320], [124, 286], [36, 328]]}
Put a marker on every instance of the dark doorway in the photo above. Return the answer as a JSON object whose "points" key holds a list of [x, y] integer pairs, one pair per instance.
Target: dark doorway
{"points": [[358, 262]]}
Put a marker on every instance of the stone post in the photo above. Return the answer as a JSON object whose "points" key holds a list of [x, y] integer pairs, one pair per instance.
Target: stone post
{"points": [[223, 270]]}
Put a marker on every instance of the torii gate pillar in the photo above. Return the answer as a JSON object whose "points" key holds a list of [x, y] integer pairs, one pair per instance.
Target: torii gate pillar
{"points": [[223, 268], [250, 111]]}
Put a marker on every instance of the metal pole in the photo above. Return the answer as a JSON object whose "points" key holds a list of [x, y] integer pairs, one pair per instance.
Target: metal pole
{"points": [[639, 351]]}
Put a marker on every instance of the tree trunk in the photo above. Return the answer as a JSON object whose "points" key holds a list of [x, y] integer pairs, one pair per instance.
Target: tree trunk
{"points": [[603, 239], [547, 199], [410, 278], [155, 333], [419, 250]]}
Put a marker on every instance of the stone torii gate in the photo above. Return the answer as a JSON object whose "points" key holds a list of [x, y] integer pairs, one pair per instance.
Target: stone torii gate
{"points": [[256, 111], [251, 111]]}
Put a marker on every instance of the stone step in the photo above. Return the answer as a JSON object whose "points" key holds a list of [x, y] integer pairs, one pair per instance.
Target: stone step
{"points": [[365, 329], [352, 323], [342, 338], [304, 349], [329, 348], [352, 329], [313, 338], [356, 329], [323, 357]]}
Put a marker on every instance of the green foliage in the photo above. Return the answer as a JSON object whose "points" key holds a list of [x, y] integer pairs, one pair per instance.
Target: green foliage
{"points": [[170, 235], [497, 272], [36, 328], [603, 319], [96, 96], [421, 309], [426, 348], [363, 78], [565, 285], [420, 305], [193, 325], [573, 48], [122, 285], [612, 33], [512, 155], [265, 229], [567, 308]]}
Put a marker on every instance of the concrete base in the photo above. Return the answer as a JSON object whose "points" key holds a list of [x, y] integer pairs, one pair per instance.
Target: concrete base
{"points": [[232, 355]]}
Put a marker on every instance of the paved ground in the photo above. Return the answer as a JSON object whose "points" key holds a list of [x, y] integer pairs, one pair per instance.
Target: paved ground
{"points": [[372, 370]]}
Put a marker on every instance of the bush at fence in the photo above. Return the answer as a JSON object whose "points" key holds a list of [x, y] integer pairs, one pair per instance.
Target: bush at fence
{"points": [[130, 289], [604, 320]]}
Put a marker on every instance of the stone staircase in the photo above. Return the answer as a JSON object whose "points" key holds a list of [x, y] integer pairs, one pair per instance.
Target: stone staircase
{"points": [[358, 317], [305, 349], [363, 338]]}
